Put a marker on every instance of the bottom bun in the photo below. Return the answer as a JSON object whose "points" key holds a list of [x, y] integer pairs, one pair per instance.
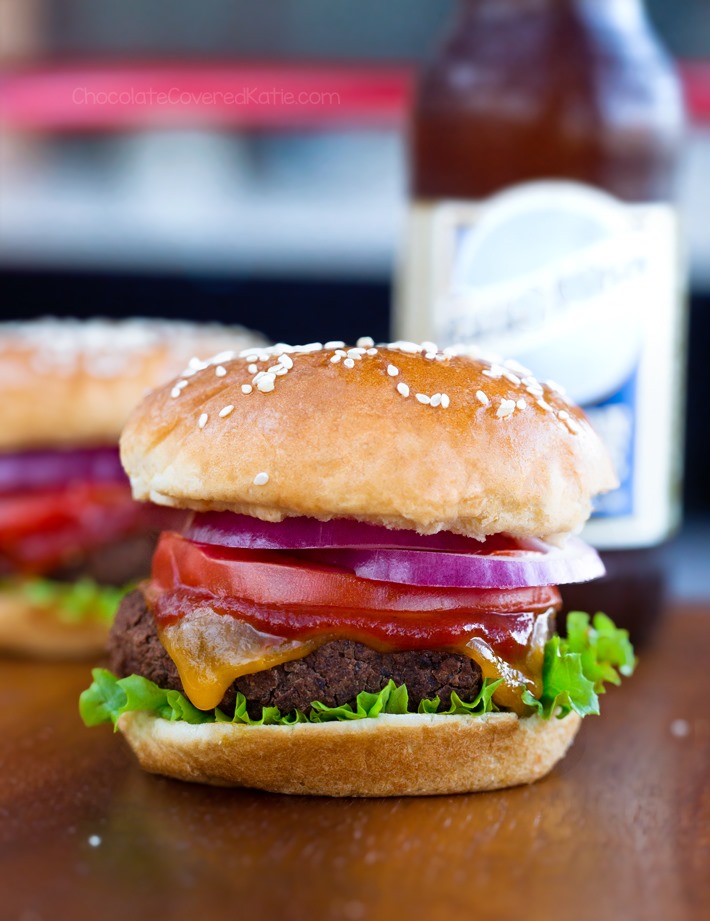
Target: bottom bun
{"points": [[41, 633], [407, 755]]}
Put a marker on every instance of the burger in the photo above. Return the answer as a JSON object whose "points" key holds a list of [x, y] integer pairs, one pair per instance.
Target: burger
{"points": [[362, 601], [71, 536]]}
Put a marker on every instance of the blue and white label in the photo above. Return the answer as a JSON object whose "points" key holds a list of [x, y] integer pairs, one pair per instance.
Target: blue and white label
{"points": [[585, 290], [615, 421]]}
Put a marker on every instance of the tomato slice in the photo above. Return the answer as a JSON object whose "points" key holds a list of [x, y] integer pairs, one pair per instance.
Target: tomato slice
{"points": [[44, 529], [280, 580]]}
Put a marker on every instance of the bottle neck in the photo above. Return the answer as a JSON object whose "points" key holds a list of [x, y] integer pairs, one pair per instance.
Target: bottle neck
{"points": [[621, 12], [615, 19]]}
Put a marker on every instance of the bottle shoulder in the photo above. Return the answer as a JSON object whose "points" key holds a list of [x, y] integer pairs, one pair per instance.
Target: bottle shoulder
{"points": [[574, 54], [469, 81], [594, 111]]}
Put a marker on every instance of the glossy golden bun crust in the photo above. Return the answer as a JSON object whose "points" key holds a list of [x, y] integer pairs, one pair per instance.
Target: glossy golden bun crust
{"points": [[40, 632], [66, 382], [408, 755], [339, 439]]}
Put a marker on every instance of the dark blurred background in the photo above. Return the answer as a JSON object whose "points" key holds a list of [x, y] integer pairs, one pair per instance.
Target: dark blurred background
{"points": [[281, 216], [366, 30]]}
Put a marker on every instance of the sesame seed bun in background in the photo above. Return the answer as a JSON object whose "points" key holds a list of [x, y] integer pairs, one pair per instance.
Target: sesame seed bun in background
{"points": [[66, 385], [75, 382], [400, 435]]}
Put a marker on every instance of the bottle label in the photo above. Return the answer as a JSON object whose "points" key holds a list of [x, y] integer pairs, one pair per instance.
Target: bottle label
{"points": [[582, 289]]}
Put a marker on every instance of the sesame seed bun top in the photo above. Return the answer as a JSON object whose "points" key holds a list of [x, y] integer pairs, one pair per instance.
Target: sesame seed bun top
{"points": [[73, 382], [400, 435]]}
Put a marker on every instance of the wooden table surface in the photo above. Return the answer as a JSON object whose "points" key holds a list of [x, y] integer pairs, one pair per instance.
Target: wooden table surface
{"points": [[621, 830]]}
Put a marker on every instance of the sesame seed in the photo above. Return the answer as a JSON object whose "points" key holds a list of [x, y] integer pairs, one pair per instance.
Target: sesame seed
{"points": [[250, 356], [571, 423], [365, 342], [258, 376], [261, 479], [222, 356], [247, 388], [252, 369], [335, 359], [445, 401], [349, 363], [429, 346], [334, 344], [275, 369], [202, 421], [281, 370], [266, 383], [220, 371], [435, 399], [226, 411], [545, 405], [514, 365], [404, 346], [341, 352], [403, 389], [506, 408], [423, 398], [392, 371], [372, 351], [521, 404], [356, 354], [175, 392], [513, 378], [493, 373], [482, 398], [286, 361]]}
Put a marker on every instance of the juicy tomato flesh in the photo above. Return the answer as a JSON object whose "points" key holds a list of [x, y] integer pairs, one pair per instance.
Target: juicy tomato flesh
{"points": [[44, 529], [280, 595]]}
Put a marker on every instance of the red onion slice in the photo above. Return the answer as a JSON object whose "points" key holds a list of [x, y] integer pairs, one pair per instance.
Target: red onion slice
{"points": [[575, 562], [405, 557], [27, 470], [229, 530]]}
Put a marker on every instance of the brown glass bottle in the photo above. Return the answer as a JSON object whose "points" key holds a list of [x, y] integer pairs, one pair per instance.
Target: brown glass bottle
{"points": [[544, 143]]}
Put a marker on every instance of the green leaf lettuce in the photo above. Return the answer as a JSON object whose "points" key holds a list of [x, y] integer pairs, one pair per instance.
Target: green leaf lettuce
{"points": [[109, 697], [577, 666], [74, 602]]}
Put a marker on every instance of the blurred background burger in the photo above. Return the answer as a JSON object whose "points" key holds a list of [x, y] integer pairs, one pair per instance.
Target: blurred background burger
{"points": [[71, 538]]}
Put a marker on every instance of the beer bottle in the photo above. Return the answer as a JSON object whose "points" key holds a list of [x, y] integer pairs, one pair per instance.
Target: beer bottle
{"points": [[544, 143]]}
